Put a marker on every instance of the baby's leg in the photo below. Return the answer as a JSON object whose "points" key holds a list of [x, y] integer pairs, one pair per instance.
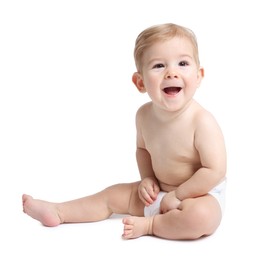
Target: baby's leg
{"points": [[195, 218], [43, 211], [114, 199]]}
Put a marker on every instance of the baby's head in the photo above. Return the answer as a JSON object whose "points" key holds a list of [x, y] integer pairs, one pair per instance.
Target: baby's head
{"points": [[162, 32]]}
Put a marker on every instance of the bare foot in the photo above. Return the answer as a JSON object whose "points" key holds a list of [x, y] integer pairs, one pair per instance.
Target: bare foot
{"points": [[135, 227], [43, 211]]}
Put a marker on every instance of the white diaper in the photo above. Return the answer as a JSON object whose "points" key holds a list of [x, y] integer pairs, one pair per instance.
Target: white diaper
{"points": [[153, 209], [217, 192]]}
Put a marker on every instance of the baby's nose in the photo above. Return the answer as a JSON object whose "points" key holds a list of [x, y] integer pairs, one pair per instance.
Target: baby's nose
{"points": [[171, 74]]}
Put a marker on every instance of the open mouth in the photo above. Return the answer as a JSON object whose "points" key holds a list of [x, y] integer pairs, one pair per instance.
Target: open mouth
{"points": [[172, 90]]}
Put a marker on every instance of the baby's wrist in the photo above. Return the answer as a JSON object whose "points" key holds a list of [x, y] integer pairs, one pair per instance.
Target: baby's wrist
{"points": [[176, 195]]}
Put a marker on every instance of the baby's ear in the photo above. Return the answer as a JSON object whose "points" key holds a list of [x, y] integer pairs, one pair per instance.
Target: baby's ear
{"points": [[200, 75], [138, 81]]}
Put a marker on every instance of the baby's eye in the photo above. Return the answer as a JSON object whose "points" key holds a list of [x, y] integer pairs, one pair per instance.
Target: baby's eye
{"points": [[158, 66], [183, 63]]}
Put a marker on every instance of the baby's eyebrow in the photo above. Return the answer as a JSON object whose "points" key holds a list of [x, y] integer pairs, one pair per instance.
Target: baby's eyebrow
{"points": [[186, 56], [155, 60]]}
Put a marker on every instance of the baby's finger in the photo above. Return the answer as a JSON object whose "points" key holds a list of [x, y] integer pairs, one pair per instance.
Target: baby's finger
{"points": [[146, 197], [144, 201], [152, 193]]}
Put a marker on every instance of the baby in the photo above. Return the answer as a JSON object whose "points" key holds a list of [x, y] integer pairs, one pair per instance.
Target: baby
{"points": [[181, 153]]}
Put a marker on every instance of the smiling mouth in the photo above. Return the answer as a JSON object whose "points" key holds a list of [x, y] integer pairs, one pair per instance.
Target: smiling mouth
{"points": [[172, 90]]}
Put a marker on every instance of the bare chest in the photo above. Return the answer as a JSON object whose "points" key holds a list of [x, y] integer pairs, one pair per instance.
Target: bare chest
{"points": [[173, 154], [173, 144]]}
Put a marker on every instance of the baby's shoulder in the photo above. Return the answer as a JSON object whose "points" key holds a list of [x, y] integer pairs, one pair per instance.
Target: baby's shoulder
{"points": [[144, 109], [204, 120], [202, 115], [143, 114]]}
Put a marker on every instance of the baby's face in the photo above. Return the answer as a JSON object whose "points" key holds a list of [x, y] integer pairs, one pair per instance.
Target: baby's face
{"points": [[170, 73]]}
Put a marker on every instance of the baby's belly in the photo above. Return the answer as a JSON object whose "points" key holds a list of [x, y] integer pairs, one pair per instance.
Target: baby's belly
{"points": [[171, 179], [167, 187]]}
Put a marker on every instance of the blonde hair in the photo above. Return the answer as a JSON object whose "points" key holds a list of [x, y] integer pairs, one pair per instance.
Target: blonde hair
{"points": [[162, 32]]}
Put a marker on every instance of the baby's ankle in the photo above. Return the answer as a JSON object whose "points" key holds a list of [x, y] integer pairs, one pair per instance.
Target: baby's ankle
{"points": [[150, 225], [60, 214]]}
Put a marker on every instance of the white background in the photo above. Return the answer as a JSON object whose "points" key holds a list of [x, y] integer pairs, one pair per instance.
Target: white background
{"points": [[67, 108]]}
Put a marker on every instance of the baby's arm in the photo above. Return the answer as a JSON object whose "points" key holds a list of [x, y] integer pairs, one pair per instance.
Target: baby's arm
{"points": [[148, 188], [210, 145]]}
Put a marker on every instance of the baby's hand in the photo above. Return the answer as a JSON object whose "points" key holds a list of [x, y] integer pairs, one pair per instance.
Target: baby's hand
{"points": [[169, 202], [148, 191]]}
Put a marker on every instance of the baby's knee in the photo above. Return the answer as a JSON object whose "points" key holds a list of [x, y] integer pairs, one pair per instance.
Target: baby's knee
{"points": [[203, 220]]}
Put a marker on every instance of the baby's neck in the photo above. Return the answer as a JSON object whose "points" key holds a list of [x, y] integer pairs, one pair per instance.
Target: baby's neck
{"points": [[164, 115]]}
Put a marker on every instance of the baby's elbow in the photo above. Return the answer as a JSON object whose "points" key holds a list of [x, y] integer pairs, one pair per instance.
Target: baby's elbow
{"points": [[221, 174]]}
